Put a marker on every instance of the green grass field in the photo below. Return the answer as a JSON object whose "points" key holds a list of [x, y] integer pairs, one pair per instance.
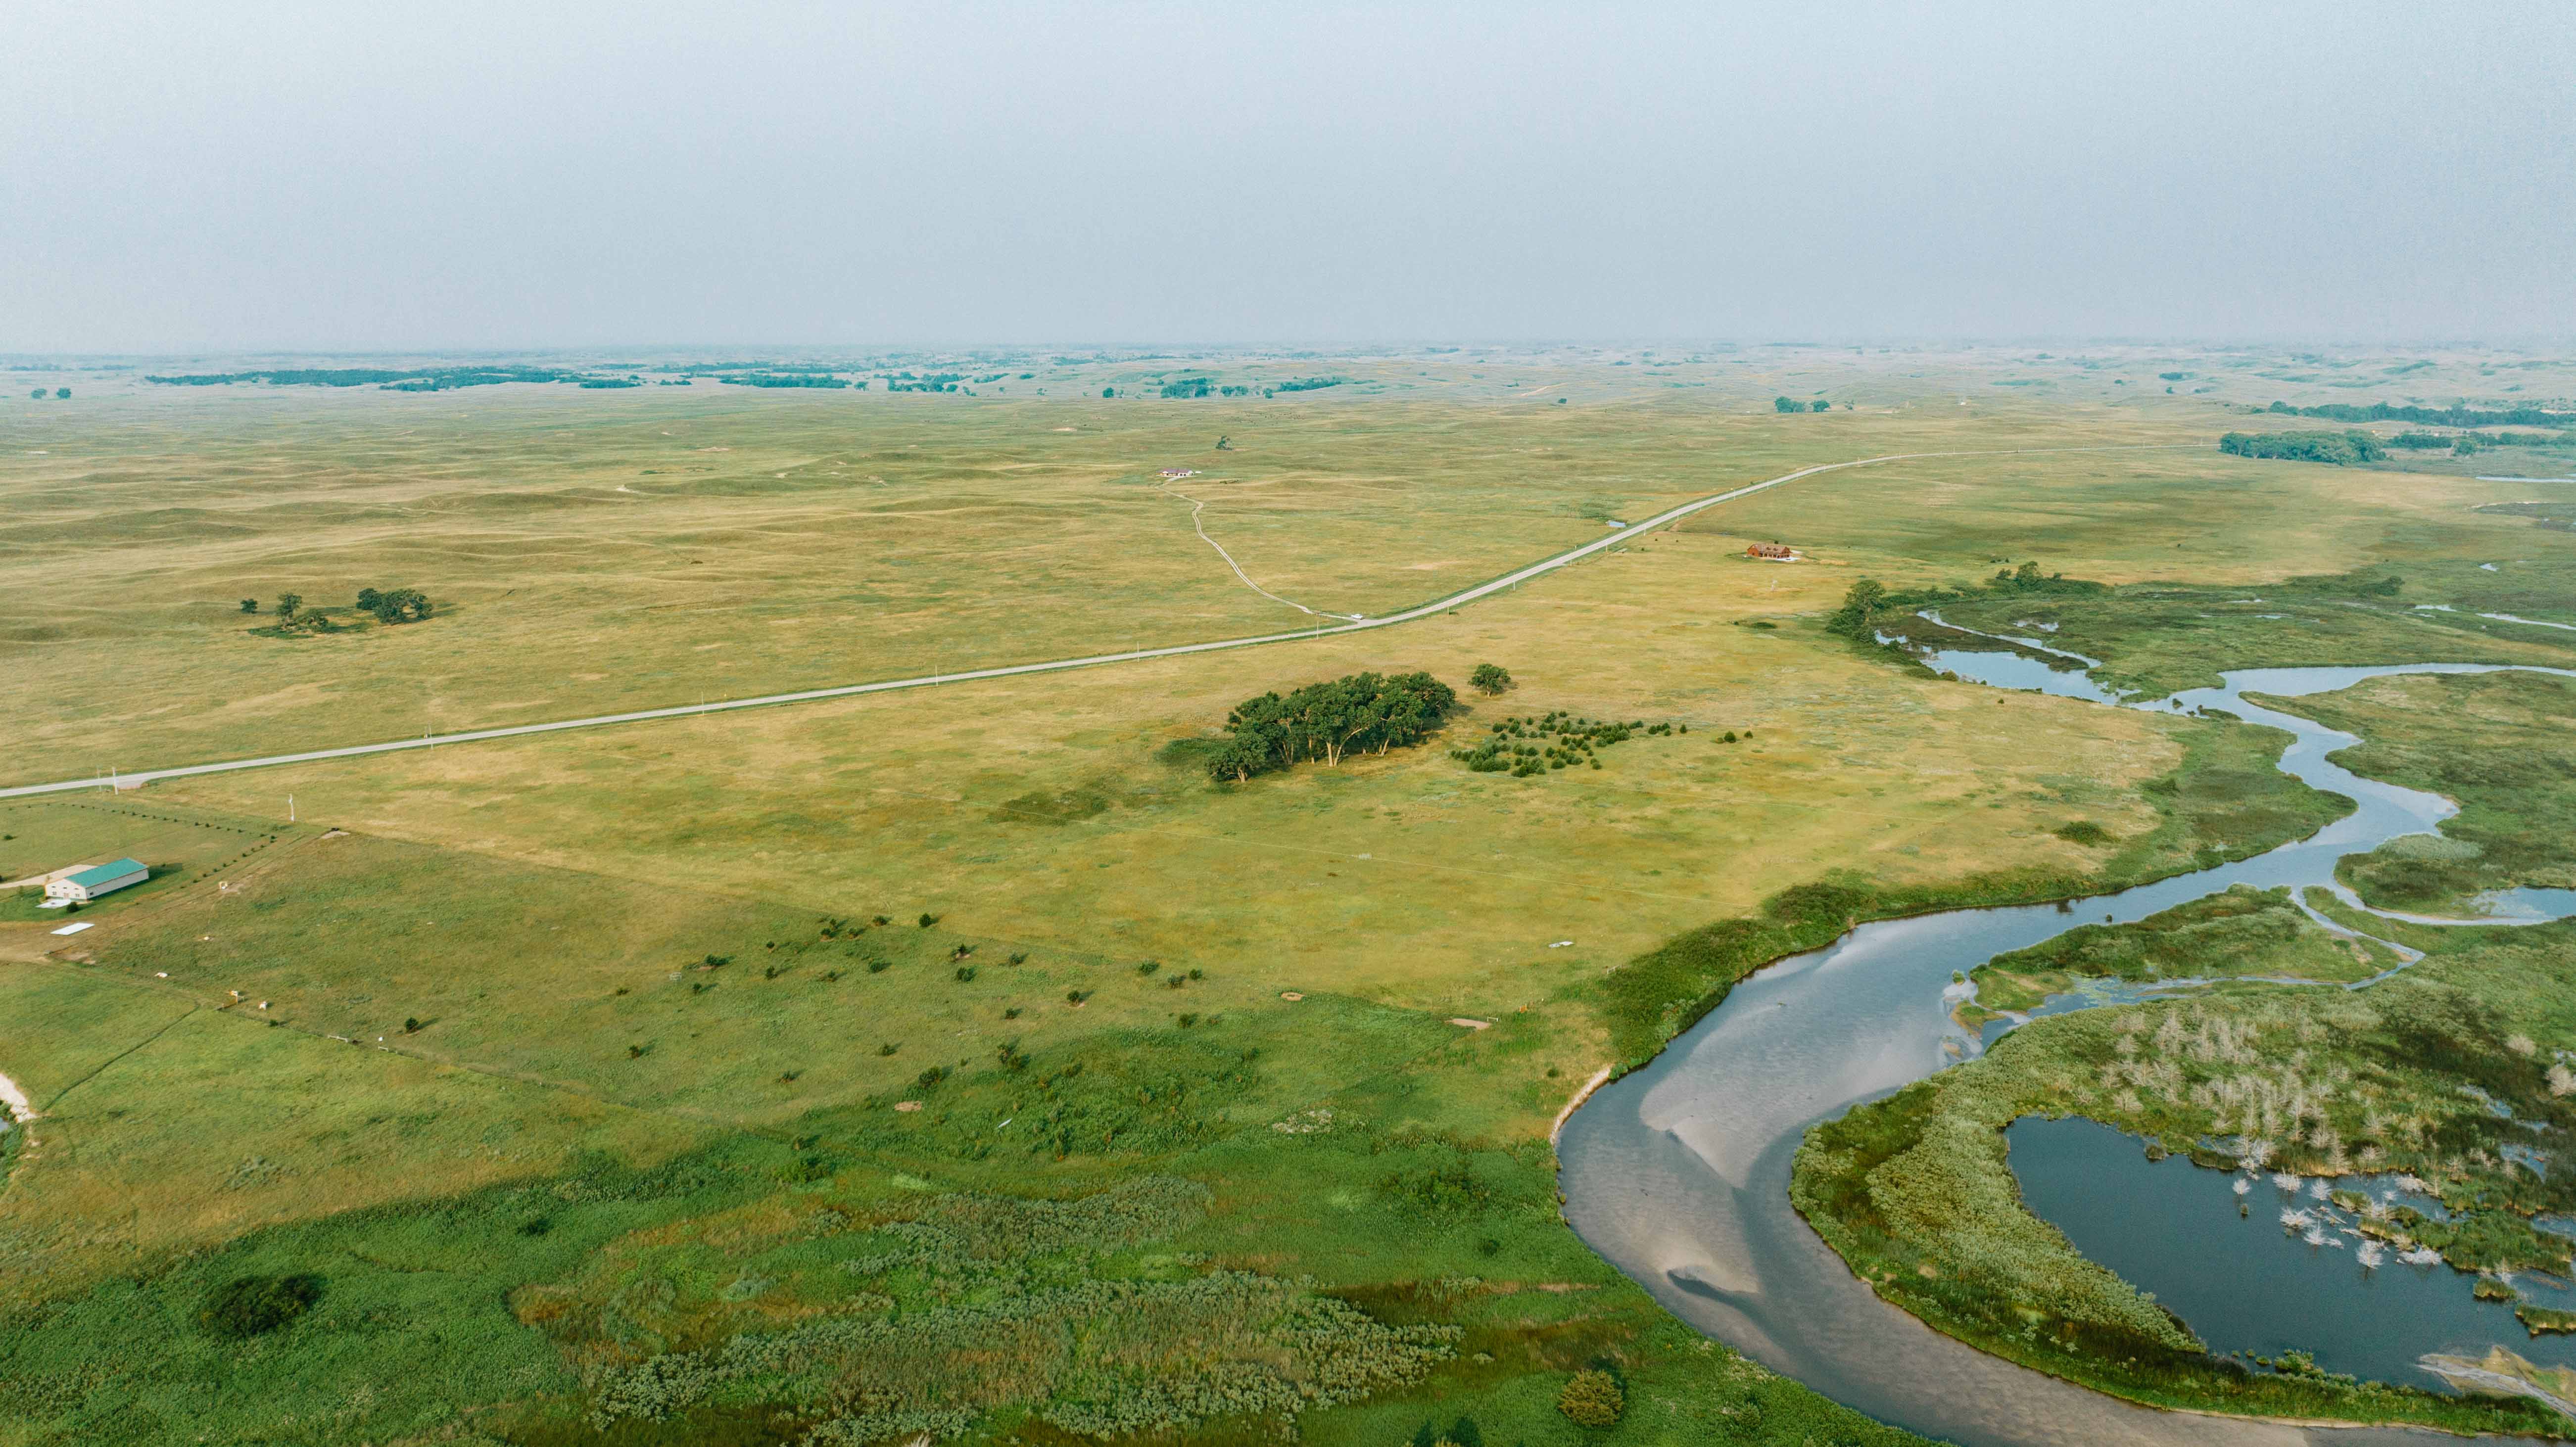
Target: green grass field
{"points": [[611, 1086], [180, 846]]}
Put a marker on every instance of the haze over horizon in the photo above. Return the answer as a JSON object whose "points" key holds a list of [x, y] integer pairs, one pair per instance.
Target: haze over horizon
{"points": [[303, 177]]}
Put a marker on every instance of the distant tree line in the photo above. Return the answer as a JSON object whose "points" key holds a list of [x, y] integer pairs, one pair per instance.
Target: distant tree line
{"points": [[1185, 389], [2431, 416], [2342, 449], [1792, 404], [1358, 713], [2467, 442], [434, 379], [925, 382], [785, 379], [1308, 384]]}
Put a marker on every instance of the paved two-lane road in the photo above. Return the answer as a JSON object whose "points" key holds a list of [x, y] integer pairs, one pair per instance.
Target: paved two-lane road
{"points": [[1441, 605]]}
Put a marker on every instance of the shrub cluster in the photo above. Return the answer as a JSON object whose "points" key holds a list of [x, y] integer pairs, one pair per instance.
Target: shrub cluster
{"points": [[1592, 1399], [249, 1306], [1530, 747]]}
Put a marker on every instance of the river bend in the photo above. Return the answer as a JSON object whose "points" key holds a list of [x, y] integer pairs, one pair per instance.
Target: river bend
{"points": [[1678, 1173]]}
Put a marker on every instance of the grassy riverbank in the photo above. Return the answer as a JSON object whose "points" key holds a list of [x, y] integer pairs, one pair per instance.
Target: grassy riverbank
{"points": [[1917, 1193], [2442, 1072], [1364, 1192], [2241, 932], [1127, 1217], [2501, 745]]}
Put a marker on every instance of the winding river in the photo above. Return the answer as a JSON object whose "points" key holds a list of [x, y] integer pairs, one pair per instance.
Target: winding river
{"points": [[1678, 1173]]}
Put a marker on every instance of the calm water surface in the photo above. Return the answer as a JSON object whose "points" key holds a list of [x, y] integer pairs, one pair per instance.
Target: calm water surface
{"points": [[2246, 1283]]}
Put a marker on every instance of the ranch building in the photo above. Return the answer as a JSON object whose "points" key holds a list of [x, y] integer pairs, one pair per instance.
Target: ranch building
{"points": [[96, 880]]}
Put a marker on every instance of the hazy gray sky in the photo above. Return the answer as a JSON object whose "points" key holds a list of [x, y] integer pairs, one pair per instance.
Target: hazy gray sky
{"points": [[354, 176]]}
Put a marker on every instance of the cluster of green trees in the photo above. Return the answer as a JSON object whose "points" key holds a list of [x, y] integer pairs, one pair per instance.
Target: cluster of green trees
{"points": [[1187, 389], [1357, 713], [2028, 579], [1792, 404], [924, 382], [390, 605], [2342, 449], [1490, 679], [1308, 384], [60, 393], [787, 379], [1868, 599], [2432, 416], [292, 615], [394, 605], [1527, 748]]}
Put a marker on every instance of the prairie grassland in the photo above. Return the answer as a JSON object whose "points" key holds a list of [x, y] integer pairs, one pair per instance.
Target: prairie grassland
{"points": [[611, 552], [647, 1119], [615, 551], [1047, 811], [167, 1125]]}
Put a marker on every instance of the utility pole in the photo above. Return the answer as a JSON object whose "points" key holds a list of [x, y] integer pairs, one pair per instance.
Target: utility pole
{"points": [[290, 808]]}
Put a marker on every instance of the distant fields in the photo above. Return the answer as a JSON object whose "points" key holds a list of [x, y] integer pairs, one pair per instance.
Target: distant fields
{"points": [[615, 551]]}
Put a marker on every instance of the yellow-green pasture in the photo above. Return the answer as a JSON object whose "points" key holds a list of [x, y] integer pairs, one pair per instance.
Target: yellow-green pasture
{"points": [[1048, 811], [599, 552]]}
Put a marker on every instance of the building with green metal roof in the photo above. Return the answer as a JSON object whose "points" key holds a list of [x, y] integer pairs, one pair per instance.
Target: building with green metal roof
{"points": [[96, 880]]}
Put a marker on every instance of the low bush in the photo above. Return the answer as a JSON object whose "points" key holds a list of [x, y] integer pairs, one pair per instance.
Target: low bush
{"points": [[1592, 1399], [249, 1306]]}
